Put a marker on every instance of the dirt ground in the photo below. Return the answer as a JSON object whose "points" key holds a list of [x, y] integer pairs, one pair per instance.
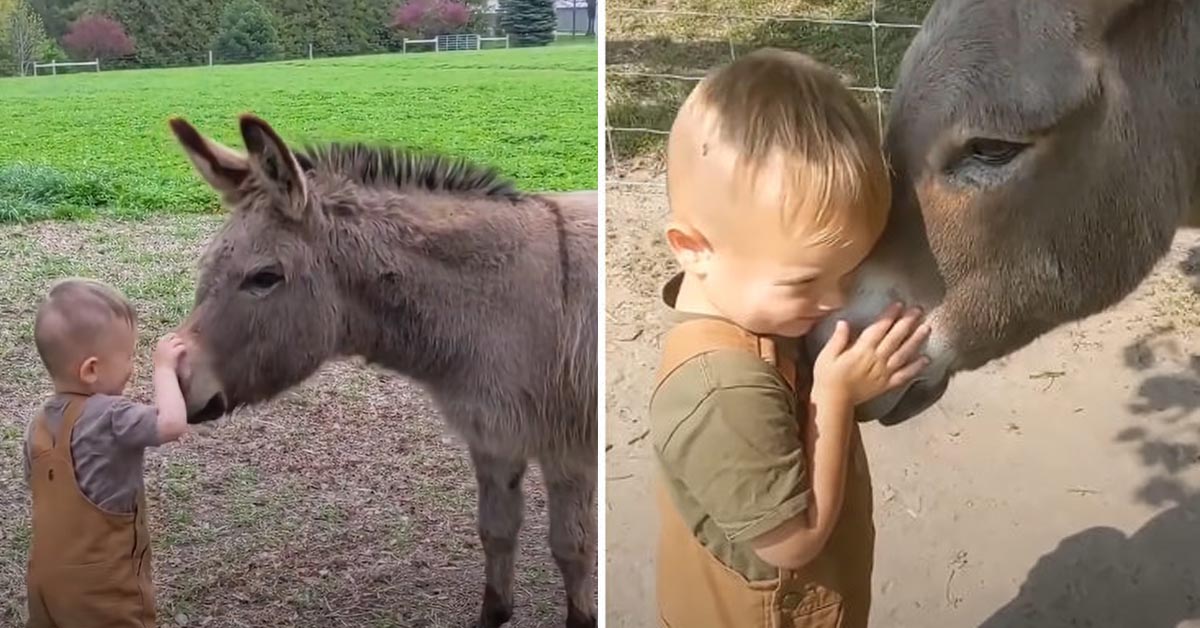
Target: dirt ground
{"points": [[344, 503], [1059, 486]]}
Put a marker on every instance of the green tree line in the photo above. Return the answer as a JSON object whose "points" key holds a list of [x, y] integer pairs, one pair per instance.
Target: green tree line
{"points": [[182, 32]]}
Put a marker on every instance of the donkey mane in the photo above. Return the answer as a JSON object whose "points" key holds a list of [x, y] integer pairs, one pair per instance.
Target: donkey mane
{"points": [[402, 168]]}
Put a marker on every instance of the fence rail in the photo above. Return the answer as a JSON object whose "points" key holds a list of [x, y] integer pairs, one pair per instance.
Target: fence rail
{"points": [[55, 65], [408, 41], [618, 176]]}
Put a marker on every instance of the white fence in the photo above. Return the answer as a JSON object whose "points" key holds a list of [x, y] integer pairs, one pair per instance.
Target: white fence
{"points": [[55, 65], [456, 41], [614, 176], [503, 39]]}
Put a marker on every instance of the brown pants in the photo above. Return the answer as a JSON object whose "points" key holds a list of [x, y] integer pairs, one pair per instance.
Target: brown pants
{"points": [[88, 568]]}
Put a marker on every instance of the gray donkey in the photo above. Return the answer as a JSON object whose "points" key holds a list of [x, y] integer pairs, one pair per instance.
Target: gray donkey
{"points": [[1044, 153], [429, 266]]}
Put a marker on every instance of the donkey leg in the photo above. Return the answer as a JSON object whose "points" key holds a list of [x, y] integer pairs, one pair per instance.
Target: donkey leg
{"points": [[501, 510], [572, 501]]}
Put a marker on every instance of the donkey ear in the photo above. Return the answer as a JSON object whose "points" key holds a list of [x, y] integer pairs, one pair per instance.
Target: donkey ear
{"points": [[1099, 17], [279, 167], [222, 167]]}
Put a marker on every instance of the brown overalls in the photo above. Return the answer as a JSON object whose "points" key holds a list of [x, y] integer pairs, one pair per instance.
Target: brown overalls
{"points": [[696, 590], [88, 568]]}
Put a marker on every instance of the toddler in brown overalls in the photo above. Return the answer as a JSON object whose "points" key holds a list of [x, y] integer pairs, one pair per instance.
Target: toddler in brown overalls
{"points": [[778, 190], [89, 559]]}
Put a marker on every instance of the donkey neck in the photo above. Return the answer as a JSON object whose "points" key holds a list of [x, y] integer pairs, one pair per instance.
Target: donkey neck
{"points": [[416, 270], [1161, 81]]}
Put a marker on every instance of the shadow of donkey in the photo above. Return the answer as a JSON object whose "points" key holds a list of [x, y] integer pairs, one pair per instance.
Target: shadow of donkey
{"points": [[1099, 578]]}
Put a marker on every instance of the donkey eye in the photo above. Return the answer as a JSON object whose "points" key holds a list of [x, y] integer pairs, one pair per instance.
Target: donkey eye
{"points": [[262, 280], [994, 152]]}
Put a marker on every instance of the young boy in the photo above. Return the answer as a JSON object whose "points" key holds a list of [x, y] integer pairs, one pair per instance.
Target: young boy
{"points": [[89, 562], [778, 190]]}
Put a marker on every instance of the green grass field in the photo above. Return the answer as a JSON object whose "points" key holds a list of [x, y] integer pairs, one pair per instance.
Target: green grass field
{"points": [[93, 144]]}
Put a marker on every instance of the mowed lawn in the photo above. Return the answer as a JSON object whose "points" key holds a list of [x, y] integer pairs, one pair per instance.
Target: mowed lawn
{"points": [[98, 143]]}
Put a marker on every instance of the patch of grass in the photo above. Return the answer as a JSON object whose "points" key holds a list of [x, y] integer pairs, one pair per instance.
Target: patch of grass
{"points": [[179, 479], [401, 535], [18, 541], [98, 144], [10, 434], [332, 514], [31, 192]]}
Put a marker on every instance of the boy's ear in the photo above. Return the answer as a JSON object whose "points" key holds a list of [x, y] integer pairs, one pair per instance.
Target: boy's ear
{"points": [[690, 247], [87, 371], [220, 166]]}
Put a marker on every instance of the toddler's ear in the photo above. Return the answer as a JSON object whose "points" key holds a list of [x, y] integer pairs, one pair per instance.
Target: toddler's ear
{"points": [[87, 371], [690, 247]]}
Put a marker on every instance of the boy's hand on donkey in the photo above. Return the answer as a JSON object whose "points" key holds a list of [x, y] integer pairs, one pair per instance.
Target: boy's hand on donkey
{"points": [[885, 355], [166, 355]]}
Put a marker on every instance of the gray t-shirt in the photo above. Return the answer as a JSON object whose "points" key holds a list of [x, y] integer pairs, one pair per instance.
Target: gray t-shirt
{"points": [[108, 447]]}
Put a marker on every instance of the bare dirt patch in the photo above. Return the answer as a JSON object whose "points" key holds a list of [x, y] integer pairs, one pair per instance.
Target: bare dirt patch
{"points": [[344, 503], [1059, 486]]}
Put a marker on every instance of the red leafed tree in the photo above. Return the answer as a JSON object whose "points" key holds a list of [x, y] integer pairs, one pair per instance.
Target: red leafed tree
{"points": [[97, 37], [431, 17]]}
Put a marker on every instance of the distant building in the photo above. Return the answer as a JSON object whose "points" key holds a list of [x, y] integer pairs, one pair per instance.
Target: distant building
{"points": [[572, 16]]}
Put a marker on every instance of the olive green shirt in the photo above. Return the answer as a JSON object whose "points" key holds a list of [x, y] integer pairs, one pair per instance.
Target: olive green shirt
{"points": [[726, 432]]}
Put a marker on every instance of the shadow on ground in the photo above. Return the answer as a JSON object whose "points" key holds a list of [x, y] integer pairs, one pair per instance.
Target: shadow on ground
{"points": [[1102, 578]]}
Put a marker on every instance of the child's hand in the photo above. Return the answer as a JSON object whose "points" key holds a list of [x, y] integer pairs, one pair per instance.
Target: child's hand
{"points": [[884, 357], [166, 355]]}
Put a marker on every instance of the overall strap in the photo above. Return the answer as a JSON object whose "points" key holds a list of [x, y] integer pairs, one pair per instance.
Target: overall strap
{"points": [[704, 335], [41, 439], [62, 442]]}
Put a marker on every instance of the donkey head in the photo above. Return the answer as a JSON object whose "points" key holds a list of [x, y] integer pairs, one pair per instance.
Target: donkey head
{"points": [[265, 315], [1037, 175]]}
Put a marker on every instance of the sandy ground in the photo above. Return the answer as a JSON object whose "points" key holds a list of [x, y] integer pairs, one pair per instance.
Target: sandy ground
{"points": [[1059, 486]]}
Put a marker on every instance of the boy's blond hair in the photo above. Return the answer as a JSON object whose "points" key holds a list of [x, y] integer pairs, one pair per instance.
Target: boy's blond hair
{"points": [[74, 318], [784, 113]]}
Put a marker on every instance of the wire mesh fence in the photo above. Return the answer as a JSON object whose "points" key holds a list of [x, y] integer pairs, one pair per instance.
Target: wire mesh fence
{"points": [[656, 55]]}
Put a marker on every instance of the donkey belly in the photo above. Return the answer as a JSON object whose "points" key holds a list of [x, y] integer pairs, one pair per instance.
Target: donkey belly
{"points": [[508, 430]]}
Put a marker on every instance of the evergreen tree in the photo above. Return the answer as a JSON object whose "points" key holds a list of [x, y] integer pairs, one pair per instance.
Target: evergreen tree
{"points": [[302, 22], [56, 15], [529, 22], [167, 32], [247, 33]]}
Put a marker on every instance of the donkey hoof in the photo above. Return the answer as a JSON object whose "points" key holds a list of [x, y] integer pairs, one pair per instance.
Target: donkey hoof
{"points": [[493, 619], [576, 619], [495, 611]]}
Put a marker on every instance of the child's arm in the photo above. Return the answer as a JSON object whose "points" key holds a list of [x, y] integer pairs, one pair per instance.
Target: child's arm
{"points": [[168, 398], [827, 436], [881, 359]]}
